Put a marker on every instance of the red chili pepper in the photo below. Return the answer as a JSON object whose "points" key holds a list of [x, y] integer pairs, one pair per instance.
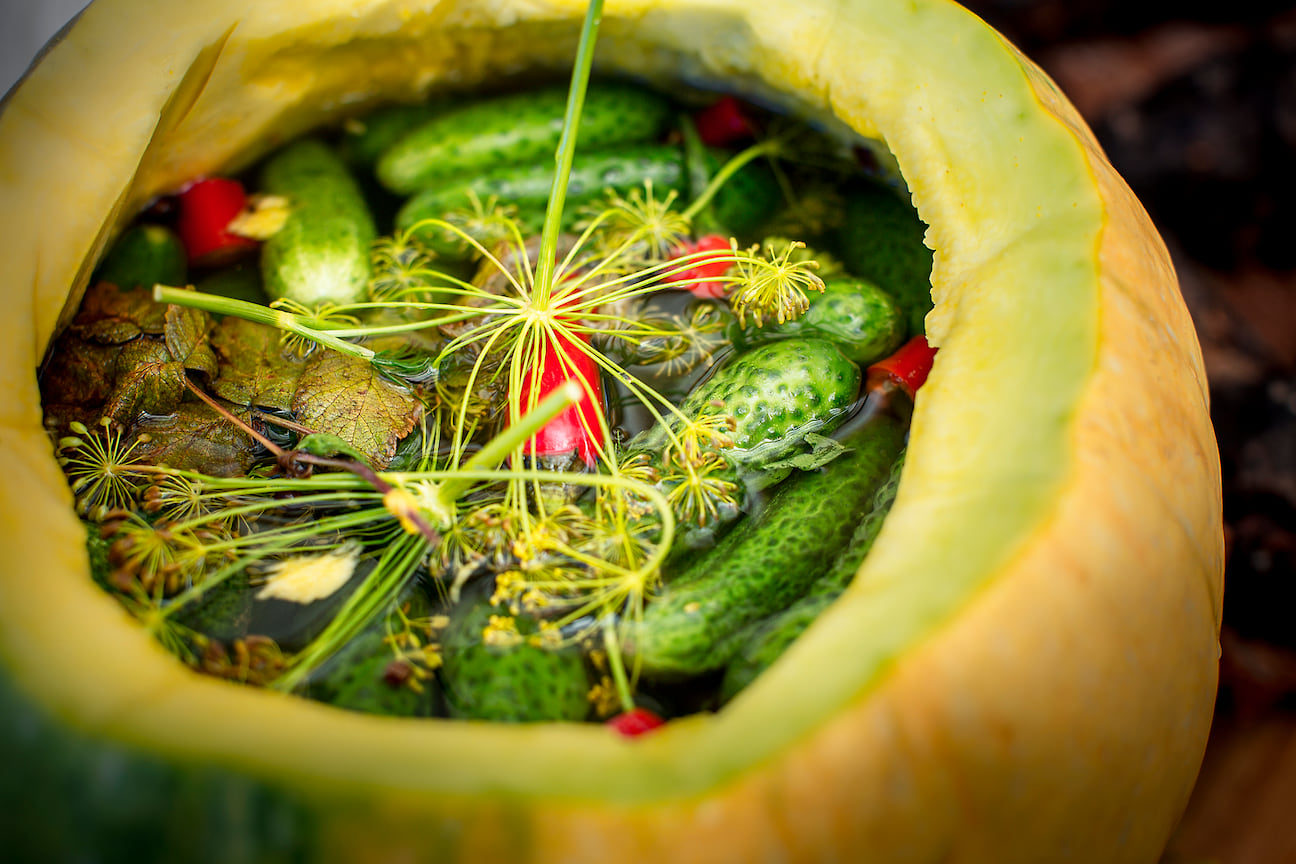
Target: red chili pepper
{"points": [[635, 722], [579, 426], [705, 270], [724, 122], [207, 207], [907, 367]]}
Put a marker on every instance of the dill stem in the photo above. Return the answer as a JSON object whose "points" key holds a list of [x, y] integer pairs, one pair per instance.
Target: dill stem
{"points": [[258, 314], [616, 667], [726, 171], [566, 152]]}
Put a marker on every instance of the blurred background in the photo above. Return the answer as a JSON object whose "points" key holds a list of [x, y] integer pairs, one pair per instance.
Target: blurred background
{"points": [[1195, 103]]}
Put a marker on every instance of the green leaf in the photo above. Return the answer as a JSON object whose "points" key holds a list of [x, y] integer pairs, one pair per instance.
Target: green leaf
{"points": [[186, 334], [349, 398], [323, 444], [148, 380], [822, 451], [196, 438], [255, 370]]}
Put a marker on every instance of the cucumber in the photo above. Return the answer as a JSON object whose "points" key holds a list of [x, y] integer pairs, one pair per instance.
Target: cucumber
{"points": [[144, 256], [527, 187], [747, 200], [366, 138], [767, 562], [764, 642], [776, 394], [517, 129], [241, 281], [357, 677], [322, 252], [860, 318], [882, 241], [522, 683]]}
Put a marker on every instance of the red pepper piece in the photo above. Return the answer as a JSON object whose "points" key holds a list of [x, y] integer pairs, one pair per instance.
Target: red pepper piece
{"points": [[907, 367], [724, 122], [207, 207], [705, 271], [579, 426], [635, 722]]}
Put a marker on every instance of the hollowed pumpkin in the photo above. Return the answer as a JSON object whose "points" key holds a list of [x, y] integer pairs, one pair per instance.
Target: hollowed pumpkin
{"points": [[1023, 670]]}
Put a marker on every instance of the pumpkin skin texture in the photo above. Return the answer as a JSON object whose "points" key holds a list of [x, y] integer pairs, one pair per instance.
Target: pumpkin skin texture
{"points": [[1023, 670]]}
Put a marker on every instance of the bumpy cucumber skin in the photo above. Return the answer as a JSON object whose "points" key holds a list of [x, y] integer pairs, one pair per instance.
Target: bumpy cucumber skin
{"points": [[364, 140], [144, 256], [859, 317], [775, 390], [747, 200], [765, 563], [882, 241], [517, 129], [520, 684], [322, 252], [764, 642], [355, 678], [527, 186]]}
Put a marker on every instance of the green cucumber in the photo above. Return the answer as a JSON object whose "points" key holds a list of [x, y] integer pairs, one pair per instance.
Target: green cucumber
{"points": [[768, 561], [520, 683], [321, 254], [860, 318], [527, 187], [764, 642], [144, 256], [518, 128], [882, 241], [747, 200], [776, 394], [241, 281], [366, 138], [357, 677]]}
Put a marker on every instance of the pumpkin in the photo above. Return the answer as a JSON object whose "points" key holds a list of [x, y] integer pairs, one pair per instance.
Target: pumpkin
{"points": [[1023, 670]]}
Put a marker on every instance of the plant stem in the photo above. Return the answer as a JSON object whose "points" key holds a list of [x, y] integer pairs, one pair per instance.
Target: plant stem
{"points": [[566, 151], [258, 314], [726, 171]]}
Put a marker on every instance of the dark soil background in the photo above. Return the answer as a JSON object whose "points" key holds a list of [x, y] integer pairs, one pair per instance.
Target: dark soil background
{"points": [[1195, 103]]}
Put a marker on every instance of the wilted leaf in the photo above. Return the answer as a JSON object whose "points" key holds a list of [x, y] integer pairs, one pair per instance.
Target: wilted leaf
{"points": [[346, 397], [111, 316], [147, 380], [254, 369], [78, 372], [186, 338], [196, 438]]}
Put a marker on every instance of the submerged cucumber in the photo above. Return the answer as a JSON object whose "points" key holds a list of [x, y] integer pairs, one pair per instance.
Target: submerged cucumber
{"points": [[882, 241], [518, 683], [776, 394], [767, 562], [527, 187], [144, 256], [360, 677], [764, 642], [322, 252], [366, 138], [518, 128], [860, 318]]}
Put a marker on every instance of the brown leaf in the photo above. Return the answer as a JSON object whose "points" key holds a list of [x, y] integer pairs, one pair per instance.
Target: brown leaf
{"points": [[78, 372], [147, 380], [255, 370], [186, 338], [111, 316], [347, 397], [196, 438]]}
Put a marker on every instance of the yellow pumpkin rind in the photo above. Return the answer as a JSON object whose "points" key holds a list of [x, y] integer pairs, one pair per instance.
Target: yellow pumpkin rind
{"points": [[944, 739]]}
